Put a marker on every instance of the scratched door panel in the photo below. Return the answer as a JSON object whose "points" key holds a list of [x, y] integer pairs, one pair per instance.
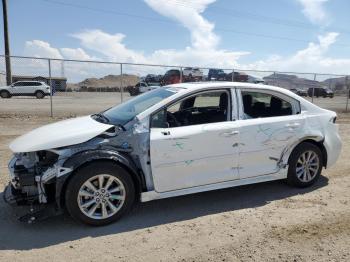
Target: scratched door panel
{"points": [[263, 141], [194, 155]]}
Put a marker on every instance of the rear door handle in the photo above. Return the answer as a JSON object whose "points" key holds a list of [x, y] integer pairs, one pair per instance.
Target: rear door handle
{"points": [[292, 125], [231, 133]]}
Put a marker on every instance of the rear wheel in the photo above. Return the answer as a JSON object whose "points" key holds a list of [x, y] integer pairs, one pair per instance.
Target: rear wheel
{"points": [[100, 193], [305, 165], [5, 94], [39, 94]]}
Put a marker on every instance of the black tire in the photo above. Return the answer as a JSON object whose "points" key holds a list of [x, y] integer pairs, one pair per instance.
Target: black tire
{"points": [[89, 171], [292, 178], [5, 94], [39, 94]]}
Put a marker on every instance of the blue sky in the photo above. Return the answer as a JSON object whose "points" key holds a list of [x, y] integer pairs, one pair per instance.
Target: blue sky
{"points": [[198, 32]]}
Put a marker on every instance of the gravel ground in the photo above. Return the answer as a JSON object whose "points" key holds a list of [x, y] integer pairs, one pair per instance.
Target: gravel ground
{"points": [[263, 222]]}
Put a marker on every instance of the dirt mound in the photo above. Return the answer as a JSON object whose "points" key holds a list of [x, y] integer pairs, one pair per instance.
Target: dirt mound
{"points": [[109, 81]]}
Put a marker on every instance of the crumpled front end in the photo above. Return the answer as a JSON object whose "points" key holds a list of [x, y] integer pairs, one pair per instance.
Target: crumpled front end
{"points": [[32, 182]]}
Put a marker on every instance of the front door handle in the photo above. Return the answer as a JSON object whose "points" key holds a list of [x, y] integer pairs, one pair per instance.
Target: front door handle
{"points": [[166, 133]]}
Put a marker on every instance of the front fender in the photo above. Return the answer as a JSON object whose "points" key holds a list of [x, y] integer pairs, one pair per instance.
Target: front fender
{"points": [[85, 157]]}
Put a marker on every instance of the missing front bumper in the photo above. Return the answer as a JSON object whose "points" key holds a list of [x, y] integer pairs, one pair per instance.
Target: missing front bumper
{"points": [[26, 210]]}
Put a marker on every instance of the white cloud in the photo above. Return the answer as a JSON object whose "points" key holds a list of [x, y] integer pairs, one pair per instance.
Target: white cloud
{"points": [[77, 54], [314, 10], [109, 45], [40, 48], [313, 58], [188, 13]]}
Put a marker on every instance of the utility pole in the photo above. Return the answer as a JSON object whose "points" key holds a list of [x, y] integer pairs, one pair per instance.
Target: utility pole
{"points": [[7, 45]]}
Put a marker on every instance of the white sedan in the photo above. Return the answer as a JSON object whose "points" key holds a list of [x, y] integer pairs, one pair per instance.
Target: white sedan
{"points": [[175, 140]]}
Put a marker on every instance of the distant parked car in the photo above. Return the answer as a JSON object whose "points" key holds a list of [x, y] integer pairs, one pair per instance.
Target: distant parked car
{"points": [[320, 91], [299, 91], [216, 75], [192, 74], [151, 78], [255, 80], [172, 76], [143, 87], [237, 77], [25, 88]]}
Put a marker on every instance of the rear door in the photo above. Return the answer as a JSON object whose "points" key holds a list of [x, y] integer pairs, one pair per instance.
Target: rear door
{"points": [[269, 123], [194, 142]]}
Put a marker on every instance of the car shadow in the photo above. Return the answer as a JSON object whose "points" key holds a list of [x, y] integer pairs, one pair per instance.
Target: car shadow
{"points": [[20, 236]]}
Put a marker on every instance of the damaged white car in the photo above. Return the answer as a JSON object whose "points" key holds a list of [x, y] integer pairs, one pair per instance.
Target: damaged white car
{"points": [[175, 140]]}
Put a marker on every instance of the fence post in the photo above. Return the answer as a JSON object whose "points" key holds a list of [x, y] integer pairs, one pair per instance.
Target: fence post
{"points": [[313, 90], [233, 74], [181, 76], [348, 93], [121, 83], [51, 91]]}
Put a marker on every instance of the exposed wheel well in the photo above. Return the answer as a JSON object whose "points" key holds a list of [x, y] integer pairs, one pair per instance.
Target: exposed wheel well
{"points": [[138, 186], [320, 145]]}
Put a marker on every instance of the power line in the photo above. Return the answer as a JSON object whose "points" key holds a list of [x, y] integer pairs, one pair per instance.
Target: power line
{"points": [[113, 12]]}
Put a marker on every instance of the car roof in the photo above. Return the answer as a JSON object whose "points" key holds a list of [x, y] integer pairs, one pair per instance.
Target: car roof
{"points": [[222, 84]]}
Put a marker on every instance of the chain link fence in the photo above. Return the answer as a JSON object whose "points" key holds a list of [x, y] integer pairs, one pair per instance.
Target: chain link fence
{"points": [[63, 88]]}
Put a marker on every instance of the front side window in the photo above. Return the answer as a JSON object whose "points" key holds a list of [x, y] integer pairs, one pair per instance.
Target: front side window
{"points": [[18, 84], [259, 104], [125, 112], [203, 108]]}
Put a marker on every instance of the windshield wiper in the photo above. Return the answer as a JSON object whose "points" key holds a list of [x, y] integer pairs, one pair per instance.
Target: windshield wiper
{"points": [[100, 117]]}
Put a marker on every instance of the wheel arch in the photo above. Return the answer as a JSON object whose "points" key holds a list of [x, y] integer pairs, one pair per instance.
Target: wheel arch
{"points": [[5, 90], [317, 142], [83, 159]]}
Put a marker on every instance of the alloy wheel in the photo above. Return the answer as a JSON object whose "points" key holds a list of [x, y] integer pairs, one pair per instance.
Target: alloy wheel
{"points": [[307, 166], [101, 196]]}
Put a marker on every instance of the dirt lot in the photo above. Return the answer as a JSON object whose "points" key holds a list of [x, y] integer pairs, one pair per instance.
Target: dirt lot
{"points": [[264, 222]]}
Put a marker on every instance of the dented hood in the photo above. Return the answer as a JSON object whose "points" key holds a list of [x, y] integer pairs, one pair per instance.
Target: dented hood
{"points": [[60, 134]]}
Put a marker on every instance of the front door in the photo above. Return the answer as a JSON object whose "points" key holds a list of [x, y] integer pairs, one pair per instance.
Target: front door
{"points": [[194, 142]]}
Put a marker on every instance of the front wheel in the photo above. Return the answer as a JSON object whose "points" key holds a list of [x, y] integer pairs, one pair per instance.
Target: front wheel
{"points": [[5, 94], [100, 193], [305, 165]]}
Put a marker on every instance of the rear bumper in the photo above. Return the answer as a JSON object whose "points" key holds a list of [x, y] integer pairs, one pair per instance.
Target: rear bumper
{"points": [[332, 144]]}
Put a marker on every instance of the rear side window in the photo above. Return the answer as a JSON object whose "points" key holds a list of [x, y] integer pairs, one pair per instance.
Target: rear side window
{"points": [[259, 104]]}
